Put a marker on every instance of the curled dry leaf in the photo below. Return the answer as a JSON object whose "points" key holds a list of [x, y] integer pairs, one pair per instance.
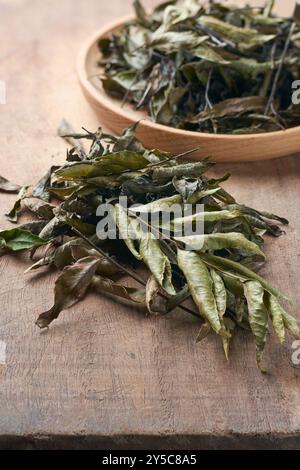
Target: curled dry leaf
{"points": [[157, 262], [70, 287], [155, 305], [220, 241], [8, 187], [201, 287], [40, 208], [258, 315], [219, 292]]}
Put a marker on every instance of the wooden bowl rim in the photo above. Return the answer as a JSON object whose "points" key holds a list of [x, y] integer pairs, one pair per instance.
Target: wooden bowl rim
{"points": [[106, 101]]}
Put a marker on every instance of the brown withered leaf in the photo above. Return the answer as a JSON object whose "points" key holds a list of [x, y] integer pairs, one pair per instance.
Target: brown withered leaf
{"points": [[107, 286], [70, 287], [42, 209], [232, 107], [155, 305], [8, 187]]}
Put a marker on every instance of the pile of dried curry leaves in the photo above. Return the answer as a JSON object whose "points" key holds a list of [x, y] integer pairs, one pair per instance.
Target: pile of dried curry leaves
{"points": [[220, 277], [211, 68]]}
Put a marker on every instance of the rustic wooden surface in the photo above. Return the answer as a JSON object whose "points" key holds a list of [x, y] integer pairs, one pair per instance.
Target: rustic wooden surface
{"points": [[103, 375]]}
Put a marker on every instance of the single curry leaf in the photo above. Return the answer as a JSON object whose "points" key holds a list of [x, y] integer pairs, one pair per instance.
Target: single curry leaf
{"points": [[70, 287], [17, 239], [258, 315]]}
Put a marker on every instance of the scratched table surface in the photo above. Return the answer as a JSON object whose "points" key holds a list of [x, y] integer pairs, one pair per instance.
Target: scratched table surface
{"points": [[104, 375]]}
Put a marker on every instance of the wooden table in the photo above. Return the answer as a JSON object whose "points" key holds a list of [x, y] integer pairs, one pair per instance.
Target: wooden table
{"points": [[104, 375]]}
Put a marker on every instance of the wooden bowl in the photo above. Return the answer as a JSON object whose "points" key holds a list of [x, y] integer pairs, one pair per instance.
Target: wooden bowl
{"points": [[224, 148]]}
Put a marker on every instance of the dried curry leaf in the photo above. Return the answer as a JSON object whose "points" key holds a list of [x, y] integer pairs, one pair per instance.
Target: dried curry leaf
{"points": [[219, 292], [201, 287], [107, 286], [220, 241], [258, 315], [157, 262], [8, 187], [70, 287], [155, 305]]}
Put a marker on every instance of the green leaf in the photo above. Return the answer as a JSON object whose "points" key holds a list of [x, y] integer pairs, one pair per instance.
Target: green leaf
{"points": [[17, 240], [162, 173], [173, 13], [129, 229], [171, 41], [202, 194], [162, 204], [64, 192], [239, 271], [120, 82], [258, 315], [251, 68], [291, 324], [220, 241], [209, 54], [219, 292], [113, 163], [142, 185], [276, 313], [157, 262], [207, 217], [233, 284], [245, 38], [201, 287]]}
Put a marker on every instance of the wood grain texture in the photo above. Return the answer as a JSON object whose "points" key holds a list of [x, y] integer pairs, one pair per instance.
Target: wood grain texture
{"points": [[104, 376]]}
